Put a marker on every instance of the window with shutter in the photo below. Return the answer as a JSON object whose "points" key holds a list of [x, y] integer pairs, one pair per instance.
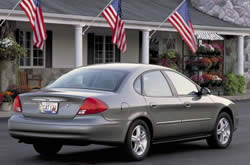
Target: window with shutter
{"points": [[35, 58], [102, 50]]}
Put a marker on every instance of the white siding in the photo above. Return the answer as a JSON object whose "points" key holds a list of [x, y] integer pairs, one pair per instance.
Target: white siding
{"points": [[63, 44], [132, 56]]}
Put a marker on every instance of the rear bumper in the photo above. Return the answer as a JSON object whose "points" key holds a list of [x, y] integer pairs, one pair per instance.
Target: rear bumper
{"points": [[87, 129]]}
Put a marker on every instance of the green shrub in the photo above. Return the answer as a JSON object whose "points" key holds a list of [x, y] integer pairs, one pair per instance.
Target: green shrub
{"points": [[234, 84], [242, 83], [231, 85]]}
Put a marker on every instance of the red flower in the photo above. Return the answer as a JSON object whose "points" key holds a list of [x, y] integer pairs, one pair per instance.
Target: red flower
{"points": [[221, 60], [208, 77], [214, 59], [1, 98]]}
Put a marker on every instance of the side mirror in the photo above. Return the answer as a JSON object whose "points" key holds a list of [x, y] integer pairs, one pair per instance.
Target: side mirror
{"points": [[204, 91]]}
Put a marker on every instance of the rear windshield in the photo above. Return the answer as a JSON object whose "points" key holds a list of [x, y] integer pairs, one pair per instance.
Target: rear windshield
{"points": [[107, 80]]}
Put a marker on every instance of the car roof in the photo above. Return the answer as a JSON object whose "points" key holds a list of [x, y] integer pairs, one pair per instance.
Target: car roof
{"points": [[129, 67]]}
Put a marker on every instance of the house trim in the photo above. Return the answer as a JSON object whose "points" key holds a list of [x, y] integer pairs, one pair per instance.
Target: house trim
{"points": [[129, 24]]}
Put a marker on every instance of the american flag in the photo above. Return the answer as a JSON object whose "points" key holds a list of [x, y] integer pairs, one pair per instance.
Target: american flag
{"points": [[181, 20], [113, 15], [33, 10]]}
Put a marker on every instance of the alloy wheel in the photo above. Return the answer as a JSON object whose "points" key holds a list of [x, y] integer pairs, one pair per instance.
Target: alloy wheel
{"points": [[139, 140], [223, 131]]}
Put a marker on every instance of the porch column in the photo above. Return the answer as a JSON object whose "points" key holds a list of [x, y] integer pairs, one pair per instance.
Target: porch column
{"points": [[78, 46], [241, 55], [145, 46]]}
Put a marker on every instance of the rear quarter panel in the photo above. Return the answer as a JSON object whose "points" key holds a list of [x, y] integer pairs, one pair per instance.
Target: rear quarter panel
{"points": [[126, 104]]}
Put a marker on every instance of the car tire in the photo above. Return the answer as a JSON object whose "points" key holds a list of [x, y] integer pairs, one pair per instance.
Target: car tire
{"points": [[137, 141], [222, 133], [47, 149]]}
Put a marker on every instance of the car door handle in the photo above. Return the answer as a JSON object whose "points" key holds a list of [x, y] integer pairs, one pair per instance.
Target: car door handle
{"points": [[153, 105], [187, 105]]}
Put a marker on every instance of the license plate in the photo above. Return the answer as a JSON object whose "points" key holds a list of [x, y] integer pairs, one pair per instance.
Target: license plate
{"points": [[48, 107]]}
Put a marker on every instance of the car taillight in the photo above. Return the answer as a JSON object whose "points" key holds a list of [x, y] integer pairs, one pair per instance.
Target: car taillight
{"points": [[92, 106], [17, 107]]}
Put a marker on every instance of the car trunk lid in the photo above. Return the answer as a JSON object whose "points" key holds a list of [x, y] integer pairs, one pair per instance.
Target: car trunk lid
{"points": [[56, 103]]}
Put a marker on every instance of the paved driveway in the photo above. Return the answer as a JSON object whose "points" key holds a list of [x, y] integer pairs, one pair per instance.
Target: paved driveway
{"points": [[192, 153]]}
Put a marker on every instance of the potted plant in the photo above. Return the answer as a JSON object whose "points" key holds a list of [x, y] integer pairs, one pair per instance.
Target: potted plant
{"points": [[9, 96], [205, 63], [210, 49], [217, 80], [208, 79], [169, 59], [10, 49], [7, 101], [198, 79], [202, 50], [215, 62], [217, 52]]}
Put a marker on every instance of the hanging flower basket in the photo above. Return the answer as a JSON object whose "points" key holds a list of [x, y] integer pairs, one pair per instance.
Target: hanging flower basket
{"points": [[10, 49]]}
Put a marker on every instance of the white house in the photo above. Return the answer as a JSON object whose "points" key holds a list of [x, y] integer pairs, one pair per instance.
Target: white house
{"points": [[67, 48]]}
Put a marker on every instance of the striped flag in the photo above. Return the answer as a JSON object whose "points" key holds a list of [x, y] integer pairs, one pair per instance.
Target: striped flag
{"points": [[113, 15], [181, 20], [33, 10]]}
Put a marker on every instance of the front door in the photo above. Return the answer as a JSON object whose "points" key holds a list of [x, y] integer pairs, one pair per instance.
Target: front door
{"points": [[197, 113]]}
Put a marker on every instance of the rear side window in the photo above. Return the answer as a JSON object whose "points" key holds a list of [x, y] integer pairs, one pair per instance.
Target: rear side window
{"points": [[107, 80], [155, 85]]}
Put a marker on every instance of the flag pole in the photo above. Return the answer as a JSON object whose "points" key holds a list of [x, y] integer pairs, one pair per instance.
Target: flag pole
{"points": [[88, 26], [10, 13], [167, 18]]}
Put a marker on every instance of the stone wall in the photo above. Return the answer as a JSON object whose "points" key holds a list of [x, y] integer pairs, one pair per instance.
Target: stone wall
{"points": [[234, 11], [7, 74]]}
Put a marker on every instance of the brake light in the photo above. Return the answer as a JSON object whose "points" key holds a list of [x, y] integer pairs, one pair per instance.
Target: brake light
{"points": [[92, 106], [17, 107]]}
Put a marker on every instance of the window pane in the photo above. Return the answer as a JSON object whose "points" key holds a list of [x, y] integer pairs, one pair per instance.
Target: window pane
{"points": [[27, 44], [155, 84], [28, 36], [35, 54], [98, 49], [104, 49], [27, 61], [21, 62], [137, 85], [28, 53], [40, 54], [35, 62], [183, 85], [93, 79], [109, 48], [25, 40]]}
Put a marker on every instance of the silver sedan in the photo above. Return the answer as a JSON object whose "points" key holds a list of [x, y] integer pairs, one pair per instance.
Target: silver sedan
{"points": [[129, 105]]}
